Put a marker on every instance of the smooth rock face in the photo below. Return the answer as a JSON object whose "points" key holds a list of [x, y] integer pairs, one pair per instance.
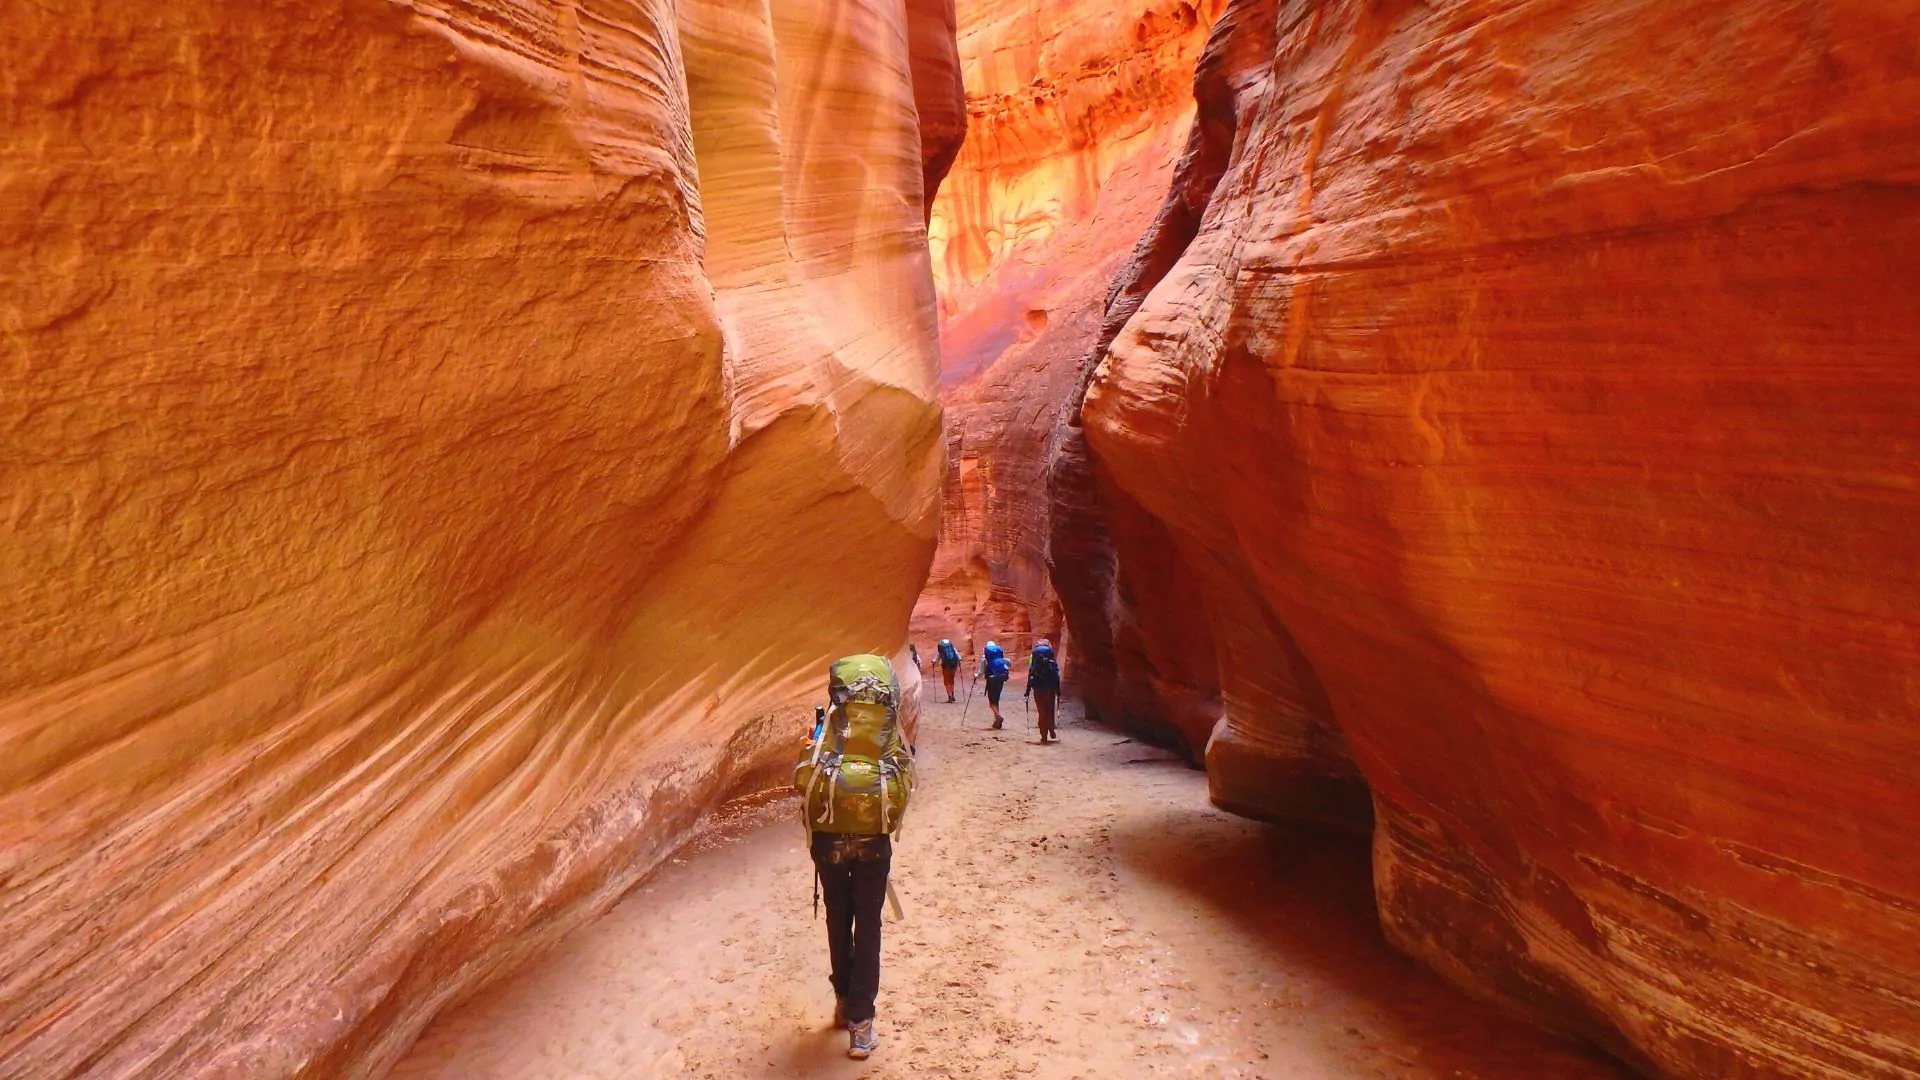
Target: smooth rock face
{"points": [[433, 438], [1076, 115], [1514, 407]]}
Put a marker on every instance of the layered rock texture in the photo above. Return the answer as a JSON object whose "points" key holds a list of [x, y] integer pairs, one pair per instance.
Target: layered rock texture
{"points": [[433, 440], [1076, 114], [1512, 416]]}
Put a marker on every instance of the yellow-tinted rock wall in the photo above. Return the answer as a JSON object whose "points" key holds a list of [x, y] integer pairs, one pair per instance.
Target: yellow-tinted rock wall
{"points": [[432, 438], [1076, 114]]}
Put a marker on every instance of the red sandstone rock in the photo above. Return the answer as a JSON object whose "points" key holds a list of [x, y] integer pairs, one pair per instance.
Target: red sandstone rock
{"points": [[1531, 416], [432, 439], [938, 95], [1075, 120]]}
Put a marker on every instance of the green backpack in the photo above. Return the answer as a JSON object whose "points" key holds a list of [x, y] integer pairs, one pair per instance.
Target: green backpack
{"points": [[857, 773]]}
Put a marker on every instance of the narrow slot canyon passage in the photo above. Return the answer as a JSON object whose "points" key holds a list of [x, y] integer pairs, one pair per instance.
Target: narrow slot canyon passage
{"points": [[1464, 453], [1075, 910]]}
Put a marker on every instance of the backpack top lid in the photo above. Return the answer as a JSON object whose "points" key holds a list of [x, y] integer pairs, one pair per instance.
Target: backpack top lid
{"points": [[1043, 651], [862, 677], [993, 651]]}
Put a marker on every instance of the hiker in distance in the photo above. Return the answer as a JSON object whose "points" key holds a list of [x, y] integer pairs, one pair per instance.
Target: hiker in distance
{"points": [[1043, 685], [855, 776], [949, 665], [996, 669]]}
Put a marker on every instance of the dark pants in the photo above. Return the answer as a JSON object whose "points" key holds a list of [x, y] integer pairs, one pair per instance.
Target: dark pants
{"points": [[854, 886], [995, 683], [947, 673], [1043, 704]]}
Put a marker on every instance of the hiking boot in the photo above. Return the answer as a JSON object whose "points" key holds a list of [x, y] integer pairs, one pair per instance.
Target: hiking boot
{"points": [[996, 726], [861, 1039], [839, 1012]]}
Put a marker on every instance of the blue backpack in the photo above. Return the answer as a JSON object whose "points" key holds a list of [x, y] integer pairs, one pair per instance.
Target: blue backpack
{"points": [[997, 666], [949, 656], [1043, 672]]}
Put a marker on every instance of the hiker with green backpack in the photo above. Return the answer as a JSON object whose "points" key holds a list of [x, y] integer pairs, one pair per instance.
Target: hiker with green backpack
{"points": [[855, 778]]}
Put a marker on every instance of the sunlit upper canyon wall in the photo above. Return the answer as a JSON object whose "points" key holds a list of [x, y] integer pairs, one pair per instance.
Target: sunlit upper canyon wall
{"points": [[1508, 437], [433, 437], [1076, 114]]}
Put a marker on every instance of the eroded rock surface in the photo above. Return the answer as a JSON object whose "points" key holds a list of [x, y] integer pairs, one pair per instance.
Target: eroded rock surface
{"points": [[433, 436], [1513, 409], [1075, 119]]}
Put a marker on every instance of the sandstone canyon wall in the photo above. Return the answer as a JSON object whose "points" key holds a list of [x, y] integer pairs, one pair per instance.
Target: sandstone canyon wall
{"points": [[1076, 113], [433, 432], [1513, 415]]}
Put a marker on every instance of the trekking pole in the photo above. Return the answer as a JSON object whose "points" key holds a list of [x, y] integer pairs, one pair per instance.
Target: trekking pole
{"points": [[969, 704], [806, 823]]}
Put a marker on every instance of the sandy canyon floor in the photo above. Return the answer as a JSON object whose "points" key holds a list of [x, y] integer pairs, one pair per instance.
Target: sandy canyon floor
{"points": [[1076, 910]]}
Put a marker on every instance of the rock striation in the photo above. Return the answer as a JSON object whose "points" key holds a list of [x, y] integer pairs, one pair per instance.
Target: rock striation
{"points": [[1075, 116], [1506, 431], [433, 436]]}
